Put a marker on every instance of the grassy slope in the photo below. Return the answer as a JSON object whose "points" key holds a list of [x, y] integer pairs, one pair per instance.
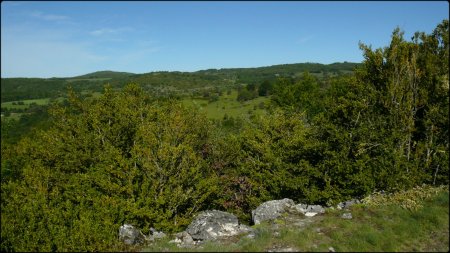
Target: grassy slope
{"points": [[227, 104], [9, 105], [382, 228]]}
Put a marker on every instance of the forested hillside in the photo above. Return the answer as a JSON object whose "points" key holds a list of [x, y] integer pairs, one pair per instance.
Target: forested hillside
{"points": [[130, 156], [14, 89]]}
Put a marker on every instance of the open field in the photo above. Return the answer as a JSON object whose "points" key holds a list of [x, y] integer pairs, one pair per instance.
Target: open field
{"points": [[227, 104], [13, 116], [42, 101], [27, 103]]}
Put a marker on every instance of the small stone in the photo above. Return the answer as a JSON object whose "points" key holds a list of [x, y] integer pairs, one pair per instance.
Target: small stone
{"points": [[251, 236], [331, 249], [184, 239], [283, 250], [347, 204], [347, 216], [310, 214]]}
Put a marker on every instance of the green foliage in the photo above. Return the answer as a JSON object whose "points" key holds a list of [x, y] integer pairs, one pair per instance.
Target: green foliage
{"points": [[411, 199], [120, 158], [379, 127], [139, 156], [248, 92], [299, 95], [265, 88], [269, 159]]}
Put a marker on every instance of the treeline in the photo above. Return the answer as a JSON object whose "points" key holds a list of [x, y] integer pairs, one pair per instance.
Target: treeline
{"points": [[162, 83], [271, 73], [129, 157], [15, 89]]}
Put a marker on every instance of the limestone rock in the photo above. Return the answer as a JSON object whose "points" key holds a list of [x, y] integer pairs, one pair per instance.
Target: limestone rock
{"points": [[300, 208], [347, 204], [154, 234], [315, 209], [289, 249], [310, 214], [183, 239], [308, 210], [211, 225], [346, 216], [271, 210], [130, 235]]}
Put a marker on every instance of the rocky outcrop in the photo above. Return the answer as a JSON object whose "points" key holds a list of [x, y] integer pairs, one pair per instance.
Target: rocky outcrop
{"points": [[271, 210], [214, 224], [211, 225], [130, 235], [276, 208]]}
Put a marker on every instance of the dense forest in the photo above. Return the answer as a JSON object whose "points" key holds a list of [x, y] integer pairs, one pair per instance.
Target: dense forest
{"points": [[133, 155]]}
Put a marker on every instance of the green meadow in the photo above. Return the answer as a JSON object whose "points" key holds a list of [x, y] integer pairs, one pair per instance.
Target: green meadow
{"points": [[227, 104]]}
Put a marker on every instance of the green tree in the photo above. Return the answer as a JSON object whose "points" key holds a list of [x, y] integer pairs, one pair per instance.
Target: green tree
{"points": [[301, 95], [265, 88]]}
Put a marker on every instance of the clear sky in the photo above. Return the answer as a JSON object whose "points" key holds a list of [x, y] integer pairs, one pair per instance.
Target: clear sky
{"points": [[61, 39]]}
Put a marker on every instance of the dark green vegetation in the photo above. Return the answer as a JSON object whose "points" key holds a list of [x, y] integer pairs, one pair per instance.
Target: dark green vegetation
{"points": [[104, 74], [386, 227], [137, 155], [14, 89]]}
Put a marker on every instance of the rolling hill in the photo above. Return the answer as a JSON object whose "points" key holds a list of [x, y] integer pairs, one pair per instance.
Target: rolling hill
{"points": [[14, 89]]}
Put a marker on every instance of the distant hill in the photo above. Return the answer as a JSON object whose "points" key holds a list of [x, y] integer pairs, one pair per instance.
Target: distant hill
{"points": [[294, 67], [104, 74], [255, 75], [13, 89]]}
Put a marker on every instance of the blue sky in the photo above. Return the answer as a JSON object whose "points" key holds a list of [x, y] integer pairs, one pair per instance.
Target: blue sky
{"points": [[60, 39]]}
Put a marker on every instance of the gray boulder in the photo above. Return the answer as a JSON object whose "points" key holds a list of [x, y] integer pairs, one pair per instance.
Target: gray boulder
{"points": [[301, 208], [315, 209], [347, 204], [130, 235], [154, 234], [308, 210], [271, 210], [211, 225]]}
